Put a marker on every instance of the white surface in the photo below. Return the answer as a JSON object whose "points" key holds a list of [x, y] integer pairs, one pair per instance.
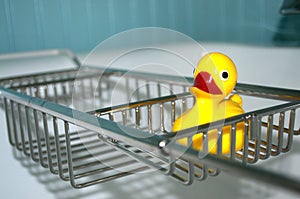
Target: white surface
{"points": [[257, 65]]}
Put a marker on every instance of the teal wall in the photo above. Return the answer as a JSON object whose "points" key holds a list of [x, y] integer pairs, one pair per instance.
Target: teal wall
{"points": [[81, 24]]}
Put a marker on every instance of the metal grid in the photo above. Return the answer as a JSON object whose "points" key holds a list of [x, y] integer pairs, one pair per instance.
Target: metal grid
{"points": [[87, 150], [268, 132], [265, 137], [53, 139]]}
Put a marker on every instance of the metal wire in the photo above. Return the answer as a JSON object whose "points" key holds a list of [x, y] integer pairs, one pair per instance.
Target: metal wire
{"points": [[42, 130]]}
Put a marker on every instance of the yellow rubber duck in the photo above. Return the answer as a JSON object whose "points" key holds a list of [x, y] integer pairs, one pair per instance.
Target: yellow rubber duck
{"points": [[214, 78]]}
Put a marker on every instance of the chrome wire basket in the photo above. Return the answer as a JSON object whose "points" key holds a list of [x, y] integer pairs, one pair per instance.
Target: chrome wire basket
{"points": [[87, 145]]}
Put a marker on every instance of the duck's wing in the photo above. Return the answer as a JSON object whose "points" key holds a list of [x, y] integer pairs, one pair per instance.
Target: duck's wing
{"points": [[237, 99]]}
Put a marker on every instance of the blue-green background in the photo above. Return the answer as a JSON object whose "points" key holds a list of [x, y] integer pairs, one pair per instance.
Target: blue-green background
{"points": [[81, 24]]}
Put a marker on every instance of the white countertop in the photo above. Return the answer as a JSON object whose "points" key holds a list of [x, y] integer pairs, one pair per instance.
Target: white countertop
{"points": [[278, 67]]}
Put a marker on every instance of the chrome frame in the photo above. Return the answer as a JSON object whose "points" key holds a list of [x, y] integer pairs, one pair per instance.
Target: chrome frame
{"points": [[34, 116]]}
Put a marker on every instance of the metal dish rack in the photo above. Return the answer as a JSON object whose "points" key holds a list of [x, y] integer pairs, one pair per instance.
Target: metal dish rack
{"points": [[95, 146]]}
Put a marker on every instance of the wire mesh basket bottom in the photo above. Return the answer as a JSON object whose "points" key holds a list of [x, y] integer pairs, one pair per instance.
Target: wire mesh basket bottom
{"points": [[87, 150]]}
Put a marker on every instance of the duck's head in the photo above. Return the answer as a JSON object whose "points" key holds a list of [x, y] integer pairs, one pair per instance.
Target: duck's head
{"points": [[214, 77]]}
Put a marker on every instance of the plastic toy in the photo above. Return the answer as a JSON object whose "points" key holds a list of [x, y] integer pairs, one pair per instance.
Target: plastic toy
{"points": [[214, 79]]}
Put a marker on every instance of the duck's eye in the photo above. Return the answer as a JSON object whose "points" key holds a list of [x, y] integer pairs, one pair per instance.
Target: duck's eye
{"points": [[224, 75]]}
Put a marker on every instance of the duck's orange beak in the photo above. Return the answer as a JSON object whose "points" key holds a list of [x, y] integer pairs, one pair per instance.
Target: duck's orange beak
{"points": [[205, 82]]}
